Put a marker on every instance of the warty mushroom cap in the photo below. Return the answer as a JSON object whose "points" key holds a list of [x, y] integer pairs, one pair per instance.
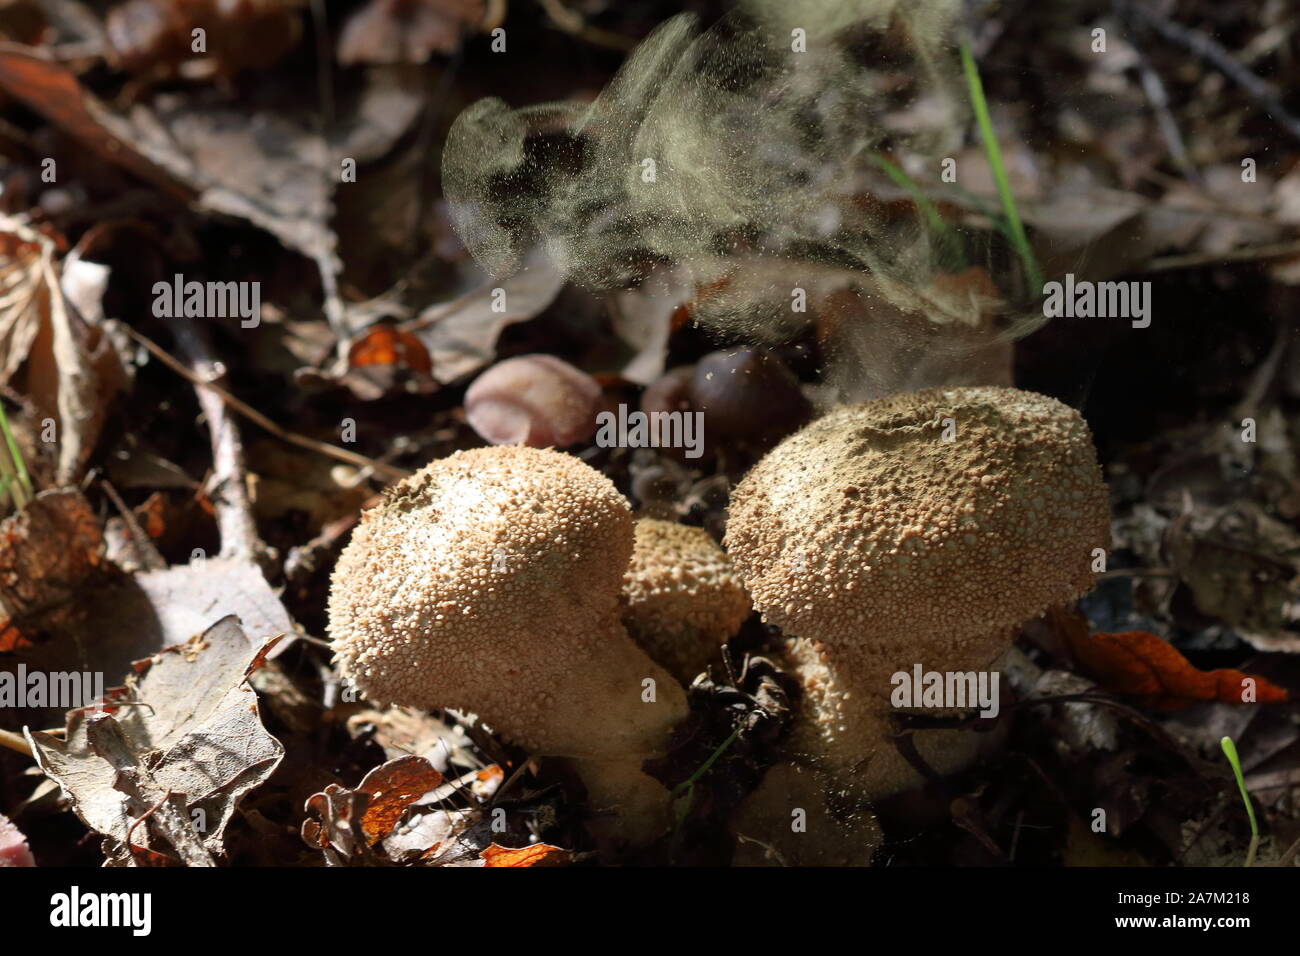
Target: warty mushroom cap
{"points": [[683, 599], [921, 526], [490, 581]]}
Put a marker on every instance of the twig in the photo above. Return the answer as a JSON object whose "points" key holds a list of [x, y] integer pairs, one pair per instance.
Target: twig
{"points": [[11, 740], [324, 62], [1154, 87], [239, 538], [144, 547], [1211, 50], [1263, 376], [293, 438], [571, 22], [1276, 250]]}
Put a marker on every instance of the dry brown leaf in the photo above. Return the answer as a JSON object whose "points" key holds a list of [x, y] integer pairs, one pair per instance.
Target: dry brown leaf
{"points": [[393, 787], [461, 335], [541, 854], [1144, 666], [201, 737], [406, 31]]}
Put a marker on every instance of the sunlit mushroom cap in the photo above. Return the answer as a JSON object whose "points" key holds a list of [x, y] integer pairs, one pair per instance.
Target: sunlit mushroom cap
{"points": [[920, 527], [490, 582]]}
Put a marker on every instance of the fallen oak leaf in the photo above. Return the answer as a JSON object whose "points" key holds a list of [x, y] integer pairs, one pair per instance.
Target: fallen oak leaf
{"points": [[541, 854], [1143, 665]]}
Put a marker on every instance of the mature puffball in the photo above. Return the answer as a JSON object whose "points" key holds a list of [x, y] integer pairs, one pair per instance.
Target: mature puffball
{"points": [[535, 400], [915, 529], [920, 527], [490, 581], [683, 597]]}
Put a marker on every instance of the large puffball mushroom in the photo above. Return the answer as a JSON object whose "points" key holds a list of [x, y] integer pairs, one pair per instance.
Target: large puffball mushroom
{"points": [[683, 599], [536, 400], [490, 582], [917, 528]]}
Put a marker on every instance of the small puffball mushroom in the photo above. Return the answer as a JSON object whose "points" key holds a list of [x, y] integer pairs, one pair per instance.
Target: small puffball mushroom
{"points": [[683, 600], [917, 528], [491, 582], [535, 400]]}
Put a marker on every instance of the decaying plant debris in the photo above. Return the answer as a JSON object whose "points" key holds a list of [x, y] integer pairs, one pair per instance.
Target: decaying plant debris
{"points": [[324, 333]]}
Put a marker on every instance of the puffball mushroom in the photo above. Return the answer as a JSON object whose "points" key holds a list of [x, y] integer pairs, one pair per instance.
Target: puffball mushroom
{"points": [[536, 400], [683, 599], [916, 528], [490, 582]]}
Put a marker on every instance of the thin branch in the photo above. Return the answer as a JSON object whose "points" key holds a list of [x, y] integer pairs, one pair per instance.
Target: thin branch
{"points": [[234, 507], [302, 441], [14, 742], [1209, 49]]}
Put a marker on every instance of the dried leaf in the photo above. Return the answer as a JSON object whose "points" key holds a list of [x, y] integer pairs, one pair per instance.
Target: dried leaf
{"points": [[1142, 665], [461, 335], [541, 854], [200, 736], [71, 369], [49, 551], [406, 31], [393, 787]]}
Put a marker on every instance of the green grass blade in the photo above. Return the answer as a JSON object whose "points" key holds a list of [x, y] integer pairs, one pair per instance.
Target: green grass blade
{"points": [[947, 235], [1230, 751], [13, 467], [1020, 241]]}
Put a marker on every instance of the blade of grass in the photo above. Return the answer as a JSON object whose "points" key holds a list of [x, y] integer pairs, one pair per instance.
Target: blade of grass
{"points": [[1230, 751], [947, 235], [23, 491], [1020, 241]]}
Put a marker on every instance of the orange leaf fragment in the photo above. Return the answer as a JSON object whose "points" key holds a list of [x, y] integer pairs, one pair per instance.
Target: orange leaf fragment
{"points": [[1141, 664], [542, 854]]}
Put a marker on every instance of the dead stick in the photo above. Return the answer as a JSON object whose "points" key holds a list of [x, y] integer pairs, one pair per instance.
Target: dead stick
{"points": [[14, 742], [239, 538], [302, 441], [1211, 50]]}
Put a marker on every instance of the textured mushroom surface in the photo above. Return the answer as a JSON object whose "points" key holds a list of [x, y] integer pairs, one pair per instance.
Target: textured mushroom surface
{"points": [[852, 735], [919, 527], [683, 597], [826, 837], [490, 581]]}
